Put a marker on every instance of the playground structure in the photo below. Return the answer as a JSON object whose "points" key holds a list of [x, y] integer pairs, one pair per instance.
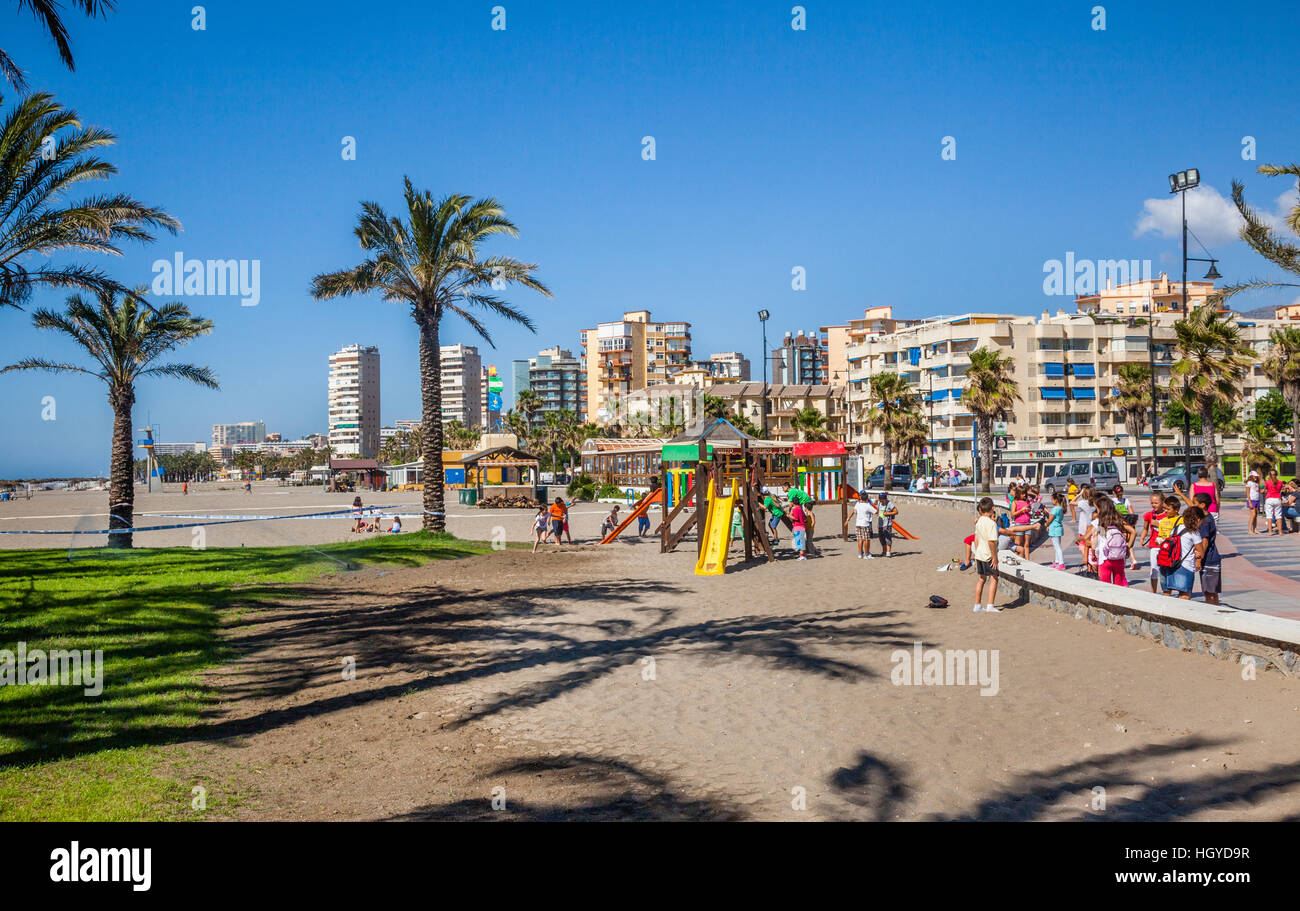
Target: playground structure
{"points": [[656, 495]]}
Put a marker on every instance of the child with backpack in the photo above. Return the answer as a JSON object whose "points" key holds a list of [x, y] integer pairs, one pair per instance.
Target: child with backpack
{"points": [[1179, 554], [1211, 561], [1112, 544]]}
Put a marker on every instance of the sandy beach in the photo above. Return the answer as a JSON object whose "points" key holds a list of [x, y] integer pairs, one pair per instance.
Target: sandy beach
{"points": [[613, 683]]}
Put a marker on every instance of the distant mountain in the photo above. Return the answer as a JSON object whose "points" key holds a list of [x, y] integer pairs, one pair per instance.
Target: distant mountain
{"points": [[1259, 312]]}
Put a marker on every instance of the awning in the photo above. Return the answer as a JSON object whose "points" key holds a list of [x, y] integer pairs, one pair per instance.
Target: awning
{"points": [[1084, 392], [826, 448], [1086, 370], [1055, 370], [1052, 393]]}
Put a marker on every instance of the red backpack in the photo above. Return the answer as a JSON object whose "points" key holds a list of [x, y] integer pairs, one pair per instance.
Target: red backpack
{"points": [[1170, 557]]}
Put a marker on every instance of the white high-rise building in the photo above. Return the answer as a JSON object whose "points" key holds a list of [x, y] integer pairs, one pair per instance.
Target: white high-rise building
{"points": [[463, 393], [354, 401]]}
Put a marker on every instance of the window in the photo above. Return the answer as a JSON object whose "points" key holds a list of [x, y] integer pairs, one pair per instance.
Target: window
{"points": [[1079, 468], [1049, 471]]}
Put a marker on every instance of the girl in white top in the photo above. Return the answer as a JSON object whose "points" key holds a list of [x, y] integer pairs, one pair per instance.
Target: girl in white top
{"points": [[1084, 511]]}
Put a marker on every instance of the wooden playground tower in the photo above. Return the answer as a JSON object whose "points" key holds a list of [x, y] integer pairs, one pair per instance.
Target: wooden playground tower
{"points": [[748, 468]]}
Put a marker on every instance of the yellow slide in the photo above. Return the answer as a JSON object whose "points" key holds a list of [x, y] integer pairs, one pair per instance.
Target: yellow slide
{"points": [[717, 533]]}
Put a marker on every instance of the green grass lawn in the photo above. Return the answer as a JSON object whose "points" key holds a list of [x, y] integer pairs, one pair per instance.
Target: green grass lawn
{"points": [[65, 755]]}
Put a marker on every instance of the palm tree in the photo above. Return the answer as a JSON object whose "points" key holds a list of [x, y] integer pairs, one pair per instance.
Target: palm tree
{"points": [[35, 218], [528, 403], [1259, 448], [1282, 366], [989, 394], [1132, 399], [1213, 362], [517, 424], [810, 424], [49, 14], [457, 436], [1263, 239], [892, 408], [742, 423], [125, 336], [714, 407], [432, 264]]}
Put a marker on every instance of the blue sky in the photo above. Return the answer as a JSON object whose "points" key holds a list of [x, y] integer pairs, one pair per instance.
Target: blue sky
{"points": [[775, 148]]}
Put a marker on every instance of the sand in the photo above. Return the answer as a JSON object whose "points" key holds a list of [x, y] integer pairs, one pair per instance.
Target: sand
{"points": [[613, 683], [63, 510]]}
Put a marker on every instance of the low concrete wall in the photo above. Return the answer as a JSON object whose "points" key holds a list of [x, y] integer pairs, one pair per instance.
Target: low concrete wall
{"points": [[1270, 643]]}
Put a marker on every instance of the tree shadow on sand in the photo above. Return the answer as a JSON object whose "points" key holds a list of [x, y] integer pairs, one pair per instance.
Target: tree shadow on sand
{"points": [[596, 788], [1065, 792]]}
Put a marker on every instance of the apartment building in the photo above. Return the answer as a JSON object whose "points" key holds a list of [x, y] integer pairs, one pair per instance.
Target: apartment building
{"points": [[463, 385], [631, 354], [160, 449], [1136, 298], [801, 360], [398, 427], [1066, 367], [241, 432], [731, 365], [784, 401], [557, 378], [354, 401]]}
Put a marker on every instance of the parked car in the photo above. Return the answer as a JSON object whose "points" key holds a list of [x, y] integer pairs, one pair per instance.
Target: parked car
{"points": [[902, 477], [1102, 473], [946, 480], [1164, 483]]}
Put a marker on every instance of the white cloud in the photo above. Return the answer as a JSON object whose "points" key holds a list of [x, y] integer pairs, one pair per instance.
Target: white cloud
{"points": [[1211, 216]]}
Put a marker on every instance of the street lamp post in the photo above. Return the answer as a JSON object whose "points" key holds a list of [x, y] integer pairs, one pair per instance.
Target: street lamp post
{"points": [[762, 319], [1180, 183]]}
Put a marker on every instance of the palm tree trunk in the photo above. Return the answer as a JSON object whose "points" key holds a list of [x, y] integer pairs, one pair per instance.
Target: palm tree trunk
{"points": [[1209, 446], [889, 465], [121, 484], [1295, 439], [435, 507]]}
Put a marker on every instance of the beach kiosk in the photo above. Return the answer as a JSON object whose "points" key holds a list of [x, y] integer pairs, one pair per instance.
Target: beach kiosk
{"points": [[503, 470]]}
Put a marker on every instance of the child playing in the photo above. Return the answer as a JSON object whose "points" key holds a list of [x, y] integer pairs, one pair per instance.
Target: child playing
{"points": [[396, 527], [559, 513], [1111, 543], [800, 530], [1020, 516], [985, 554], [887, 513], [1151, 536], [1084, 510], [863, 512], [1056, 528], [774, 512], [539, 527], [610, 522]]}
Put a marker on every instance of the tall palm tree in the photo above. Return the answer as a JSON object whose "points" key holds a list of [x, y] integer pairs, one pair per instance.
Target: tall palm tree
{"points": [[1213, 361], [50, 14], [810, 424], [989, 394], [125, 336], [37, 221], [1263, 239], [891, 405], [517, 424], [1282, 366], [1132, 399], [432, 264]]}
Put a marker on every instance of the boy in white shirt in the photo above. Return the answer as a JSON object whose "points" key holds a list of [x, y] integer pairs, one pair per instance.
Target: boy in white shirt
{"points": [[985, 553], [863, 512]]}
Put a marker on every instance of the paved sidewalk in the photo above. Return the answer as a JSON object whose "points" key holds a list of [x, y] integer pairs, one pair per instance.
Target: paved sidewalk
{"points": [[1260, 572]]}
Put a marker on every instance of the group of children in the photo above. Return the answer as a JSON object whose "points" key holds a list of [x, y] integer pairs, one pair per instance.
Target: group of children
{"points": [[1179, 533], [363, 525], [883, 512]]}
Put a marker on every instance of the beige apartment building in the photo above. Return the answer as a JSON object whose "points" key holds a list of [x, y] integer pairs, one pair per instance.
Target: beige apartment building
{"points": [[463, 379], [1159, 295], [1066, 367], [631, 354]]}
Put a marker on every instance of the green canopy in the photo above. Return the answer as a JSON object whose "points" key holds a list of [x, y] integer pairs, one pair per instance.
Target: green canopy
{"points": [[685, 452]]}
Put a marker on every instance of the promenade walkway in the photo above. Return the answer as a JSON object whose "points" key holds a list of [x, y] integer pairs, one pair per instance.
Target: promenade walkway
{"points": [[1260, 572]]}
